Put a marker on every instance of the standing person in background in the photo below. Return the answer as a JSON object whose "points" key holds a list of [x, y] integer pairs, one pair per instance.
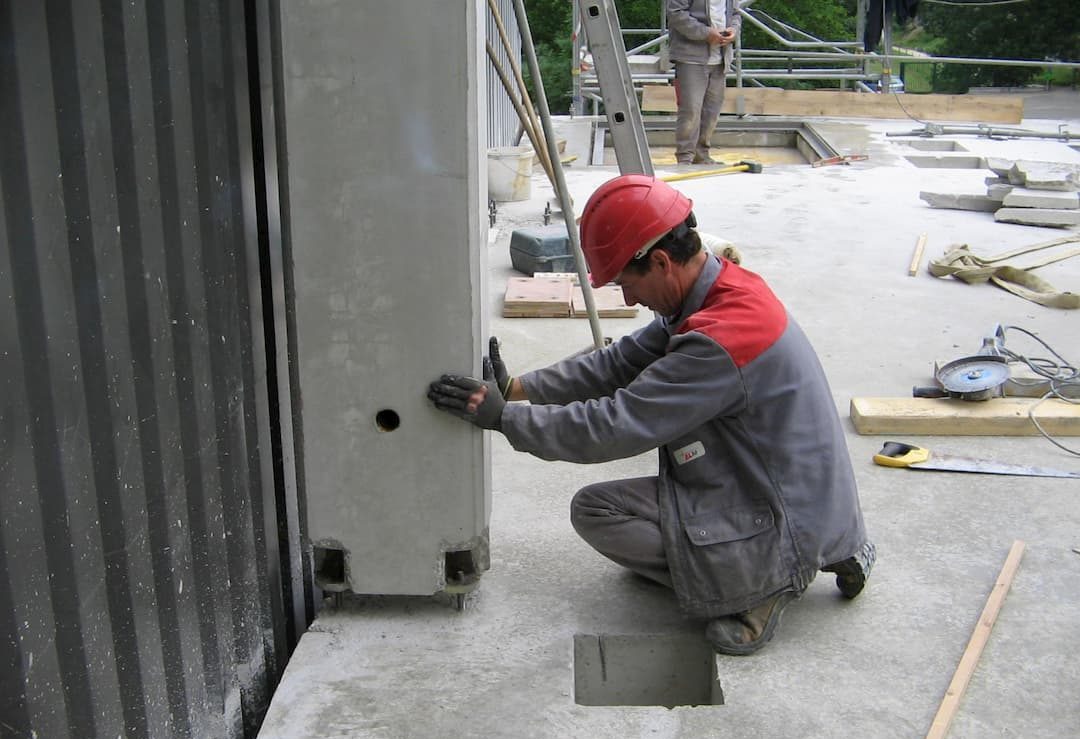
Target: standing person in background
{"points": [[701, 34]]}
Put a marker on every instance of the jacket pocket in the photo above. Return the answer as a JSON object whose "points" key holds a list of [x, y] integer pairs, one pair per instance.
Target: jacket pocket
{"points": [[733, 525], [732, 556]]}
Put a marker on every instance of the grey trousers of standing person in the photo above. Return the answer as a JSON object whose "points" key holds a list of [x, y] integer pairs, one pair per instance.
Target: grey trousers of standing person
{"points": [[701, 94], [621, 520]]}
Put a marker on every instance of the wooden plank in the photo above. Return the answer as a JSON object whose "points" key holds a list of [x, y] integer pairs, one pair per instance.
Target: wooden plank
{"points": [[658, 98], [916, 257], [949, 704], [952, 417], [568, 276], [608, 300], [529, 298], [846, 104]]}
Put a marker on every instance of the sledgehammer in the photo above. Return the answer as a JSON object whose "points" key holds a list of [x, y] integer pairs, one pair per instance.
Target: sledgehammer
{"points": [[745, 166]]}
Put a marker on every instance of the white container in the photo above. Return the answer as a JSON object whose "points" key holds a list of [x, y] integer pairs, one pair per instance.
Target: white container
{"points": [[509, 173]]}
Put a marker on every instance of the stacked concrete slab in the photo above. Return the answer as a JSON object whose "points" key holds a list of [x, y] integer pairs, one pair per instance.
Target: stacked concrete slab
{"points": [[1027, 192]]}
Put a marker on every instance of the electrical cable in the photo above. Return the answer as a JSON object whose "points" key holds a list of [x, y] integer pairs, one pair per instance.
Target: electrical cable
{"points": [[1059, 373], [909, 115]]}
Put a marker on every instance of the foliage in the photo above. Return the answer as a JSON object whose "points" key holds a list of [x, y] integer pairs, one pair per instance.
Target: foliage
{"points": [[1031, 29], [1036, 29], [831, 20], [549, 21]]}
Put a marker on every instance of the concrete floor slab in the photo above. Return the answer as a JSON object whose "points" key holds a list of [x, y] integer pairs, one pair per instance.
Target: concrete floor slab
{"points": [[835, 244]]}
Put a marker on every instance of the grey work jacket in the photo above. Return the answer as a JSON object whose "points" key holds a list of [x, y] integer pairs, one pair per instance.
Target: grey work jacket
{"points": [[756, 490], [688, 27]]}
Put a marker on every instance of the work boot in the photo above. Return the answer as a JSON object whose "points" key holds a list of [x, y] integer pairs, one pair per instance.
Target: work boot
{"points": [[703, 159], [684, 161], [853, 572], [744, 633]]}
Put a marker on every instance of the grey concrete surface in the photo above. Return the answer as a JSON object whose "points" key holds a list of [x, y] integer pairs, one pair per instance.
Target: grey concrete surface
{"points": [[835, 244], [359, 288]]}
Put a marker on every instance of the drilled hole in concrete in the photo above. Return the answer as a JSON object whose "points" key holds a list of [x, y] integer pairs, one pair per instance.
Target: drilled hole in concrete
{"points": [[387, 420], [330, 574], [645, 670]]}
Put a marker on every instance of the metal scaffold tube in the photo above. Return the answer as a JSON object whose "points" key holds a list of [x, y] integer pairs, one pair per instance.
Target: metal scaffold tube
{"points": [[556, 164]]}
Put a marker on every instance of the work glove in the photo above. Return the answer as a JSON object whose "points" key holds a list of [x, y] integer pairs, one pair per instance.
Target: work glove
{"points": [[451, 393], [503, 378]]}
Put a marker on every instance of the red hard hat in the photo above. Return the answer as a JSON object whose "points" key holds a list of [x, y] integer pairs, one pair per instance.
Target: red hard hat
{"points": [[622, 217]]}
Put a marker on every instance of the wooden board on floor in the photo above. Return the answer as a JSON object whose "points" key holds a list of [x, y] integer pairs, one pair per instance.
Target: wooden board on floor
{"points": [[608, 300], [569, 276], [845, 104], [951, 417], [529, 298]]}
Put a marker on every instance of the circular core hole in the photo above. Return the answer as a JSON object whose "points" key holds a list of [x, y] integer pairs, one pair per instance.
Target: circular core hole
{"points": [[387, 420]]}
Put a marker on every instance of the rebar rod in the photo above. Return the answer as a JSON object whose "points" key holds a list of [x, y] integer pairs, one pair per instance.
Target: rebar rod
{"points": [[564, 195]]}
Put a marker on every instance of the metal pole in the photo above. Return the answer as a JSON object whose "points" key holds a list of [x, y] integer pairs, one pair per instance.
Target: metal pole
{"points": [[541, 151], [527, 123], [886, 70], [556, 165], [577, 103]]}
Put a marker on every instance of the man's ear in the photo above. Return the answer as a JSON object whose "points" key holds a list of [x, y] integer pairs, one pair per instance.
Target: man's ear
{"points": [[660, 259]]}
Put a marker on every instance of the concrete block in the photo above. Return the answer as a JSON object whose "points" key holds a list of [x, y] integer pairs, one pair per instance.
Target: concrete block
{"points": [[960, 201], [1016, 177], [644, 63], [998, 191], [1045, 175], [1039, 216], [1022, 197], [999, 166], [386, 192]]}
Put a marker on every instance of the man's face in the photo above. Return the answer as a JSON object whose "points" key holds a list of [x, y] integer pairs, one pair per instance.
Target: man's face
{"points": [[656, 289]]}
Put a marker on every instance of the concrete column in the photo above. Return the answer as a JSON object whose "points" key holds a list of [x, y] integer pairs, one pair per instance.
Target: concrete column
{"points": [[386, 196]]}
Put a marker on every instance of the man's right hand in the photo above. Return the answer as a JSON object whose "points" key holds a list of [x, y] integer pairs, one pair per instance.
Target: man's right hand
{"points": [[721, 36], [473, 400]]}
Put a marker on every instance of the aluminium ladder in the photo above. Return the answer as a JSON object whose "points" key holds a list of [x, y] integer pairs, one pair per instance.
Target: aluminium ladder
{"points": [[601, 23]]}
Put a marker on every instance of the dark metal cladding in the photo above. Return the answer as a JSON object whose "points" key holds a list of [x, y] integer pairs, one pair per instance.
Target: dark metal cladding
{"points": [[152, 577]]}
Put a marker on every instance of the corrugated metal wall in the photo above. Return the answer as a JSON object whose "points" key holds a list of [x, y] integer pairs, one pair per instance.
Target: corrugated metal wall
{"points": [[502, 121], [151, 580], [153, 577]]}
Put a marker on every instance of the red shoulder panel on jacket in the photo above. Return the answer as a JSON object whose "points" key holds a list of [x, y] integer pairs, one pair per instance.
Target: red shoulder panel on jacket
{"points": [[740, 313]]}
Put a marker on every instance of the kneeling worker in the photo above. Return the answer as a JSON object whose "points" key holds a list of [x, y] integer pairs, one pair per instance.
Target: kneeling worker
{"points": [[755, 492]]}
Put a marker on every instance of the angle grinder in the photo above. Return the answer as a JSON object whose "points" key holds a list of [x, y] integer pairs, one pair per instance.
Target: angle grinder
{"points": [[978, 377]]}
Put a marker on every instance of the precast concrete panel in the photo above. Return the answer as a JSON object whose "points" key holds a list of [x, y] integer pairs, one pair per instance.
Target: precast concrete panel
{"points": [[383, 107]]}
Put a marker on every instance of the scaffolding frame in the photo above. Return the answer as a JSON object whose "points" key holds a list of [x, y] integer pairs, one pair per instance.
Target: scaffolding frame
{"points": [[806, 57]]}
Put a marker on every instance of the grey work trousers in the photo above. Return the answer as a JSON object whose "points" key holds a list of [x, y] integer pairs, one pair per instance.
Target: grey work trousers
{"points": [[700, 91], [621, 520]]}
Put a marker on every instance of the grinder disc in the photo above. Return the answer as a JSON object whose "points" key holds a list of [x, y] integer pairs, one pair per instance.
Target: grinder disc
{"points": [[973, 374]]}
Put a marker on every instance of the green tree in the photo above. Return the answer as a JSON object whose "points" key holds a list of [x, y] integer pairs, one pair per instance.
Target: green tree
{"points": [[1033, 29], [829, 20], [550, 22]]}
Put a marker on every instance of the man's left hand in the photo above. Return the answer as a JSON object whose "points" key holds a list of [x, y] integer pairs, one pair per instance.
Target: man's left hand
{"points": [[478, 401]]}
